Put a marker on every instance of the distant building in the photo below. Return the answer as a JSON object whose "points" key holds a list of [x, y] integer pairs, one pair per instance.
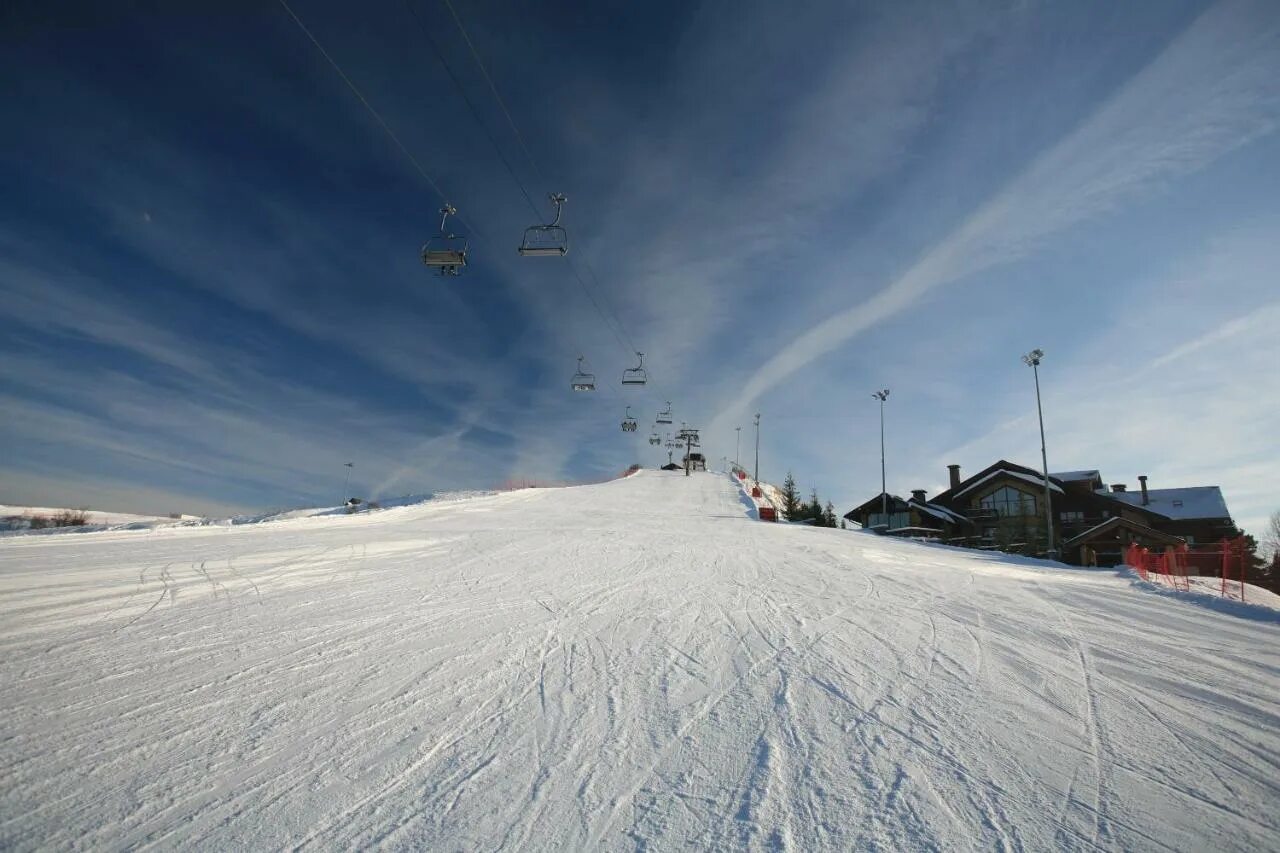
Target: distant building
{"points": [[1001, 507]]}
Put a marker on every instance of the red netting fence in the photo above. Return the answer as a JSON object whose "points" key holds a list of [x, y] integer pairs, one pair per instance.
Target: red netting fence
{"points": [[1176, 566]]}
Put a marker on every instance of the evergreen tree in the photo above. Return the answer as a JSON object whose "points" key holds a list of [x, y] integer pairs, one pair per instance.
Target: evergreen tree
{"points": [[829, 517], [814, 509], [790, 499]]}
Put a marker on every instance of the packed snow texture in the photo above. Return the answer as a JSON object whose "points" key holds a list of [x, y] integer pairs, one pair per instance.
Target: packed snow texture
{"points": [[629, 665]]}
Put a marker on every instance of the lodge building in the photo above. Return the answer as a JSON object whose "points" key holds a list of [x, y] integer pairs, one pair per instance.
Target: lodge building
{"points": [[1001, 508]]}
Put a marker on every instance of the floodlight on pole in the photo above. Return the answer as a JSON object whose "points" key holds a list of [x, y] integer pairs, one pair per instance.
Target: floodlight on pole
{"points": [[347, 481], [883, 395], [1032, 360], [757, 477]]}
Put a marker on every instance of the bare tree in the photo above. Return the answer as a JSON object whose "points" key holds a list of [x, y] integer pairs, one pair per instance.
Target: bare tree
{"points": [[1272, 537]]}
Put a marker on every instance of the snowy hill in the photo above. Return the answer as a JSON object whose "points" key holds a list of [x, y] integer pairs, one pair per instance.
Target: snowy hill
{"points": [[633, 664], [19, 517]]}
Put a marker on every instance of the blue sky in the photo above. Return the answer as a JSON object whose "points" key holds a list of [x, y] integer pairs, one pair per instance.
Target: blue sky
{"points": [[211, 297]]}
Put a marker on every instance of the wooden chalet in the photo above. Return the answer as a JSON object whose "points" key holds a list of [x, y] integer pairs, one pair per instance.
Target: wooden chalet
{"points": [[917, 518], [1002, 507]]}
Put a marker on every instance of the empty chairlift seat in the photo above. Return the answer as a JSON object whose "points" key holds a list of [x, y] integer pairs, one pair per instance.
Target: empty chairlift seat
{"points": [[583, 381], [549, 240], [634, 377], [447, 252]]}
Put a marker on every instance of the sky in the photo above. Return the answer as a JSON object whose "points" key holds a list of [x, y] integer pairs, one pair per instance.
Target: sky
{"points": [[211, 295]]}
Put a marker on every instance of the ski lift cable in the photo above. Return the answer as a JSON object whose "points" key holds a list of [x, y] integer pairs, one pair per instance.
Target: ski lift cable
{"points": [[471, 106], [628, 344], [475, 54], [515, 177], [355, 90], [484, 127]]}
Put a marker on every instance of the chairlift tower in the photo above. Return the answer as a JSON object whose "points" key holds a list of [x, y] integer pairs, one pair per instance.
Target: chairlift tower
{"points": [[690, 438]]}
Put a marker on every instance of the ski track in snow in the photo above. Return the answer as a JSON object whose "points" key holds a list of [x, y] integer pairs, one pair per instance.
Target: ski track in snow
{"points": [[634, 665]]}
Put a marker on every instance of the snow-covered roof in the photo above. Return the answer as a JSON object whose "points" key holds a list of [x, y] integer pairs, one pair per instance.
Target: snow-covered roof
{"points": [[1005, 472], [937, 511], [1074, 476], [1187, 502], [899, 531]]}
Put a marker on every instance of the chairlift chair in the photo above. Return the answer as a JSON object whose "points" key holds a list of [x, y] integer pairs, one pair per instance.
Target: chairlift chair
{"points": [[448, 252], [634, 377], [583, 381], [664, 417], [628, 422], [654, 439], [550, 240]]}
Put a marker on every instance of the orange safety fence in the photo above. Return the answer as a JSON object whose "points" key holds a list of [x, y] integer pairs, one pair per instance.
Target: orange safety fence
{"points": [[1176, 565]]}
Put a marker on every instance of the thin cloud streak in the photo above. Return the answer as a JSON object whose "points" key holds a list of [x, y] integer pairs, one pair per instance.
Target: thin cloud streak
{"points": [[1210, 92]]}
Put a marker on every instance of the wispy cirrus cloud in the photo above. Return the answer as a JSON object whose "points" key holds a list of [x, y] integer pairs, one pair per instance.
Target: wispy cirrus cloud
{"points": [[1209, 92]]}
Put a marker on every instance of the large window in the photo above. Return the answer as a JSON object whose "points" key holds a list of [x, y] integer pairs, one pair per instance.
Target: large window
{"points": [[1009, 502], [896, 520]]}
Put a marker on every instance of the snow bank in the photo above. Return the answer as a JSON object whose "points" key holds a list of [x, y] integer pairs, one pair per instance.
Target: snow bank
{"points": [[1260, 604], [630, 665]]}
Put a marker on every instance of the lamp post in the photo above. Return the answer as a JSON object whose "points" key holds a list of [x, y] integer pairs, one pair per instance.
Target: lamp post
{"points": [[1032, 360], [757, 478], [883, 395], [347, 480], [737, 445]]}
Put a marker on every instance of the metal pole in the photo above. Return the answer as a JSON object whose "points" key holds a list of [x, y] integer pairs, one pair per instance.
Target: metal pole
{"points": [[883, 395], [884, 488], [346, 481], [1051, 552], [737, 445], [757, 447]]}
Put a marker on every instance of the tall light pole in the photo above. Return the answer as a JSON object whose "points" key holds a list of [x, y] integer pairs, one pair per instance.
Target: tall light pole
{"points": [[737, 446], [1032, 360], [883, 395], [757, 477], [346, 481]]}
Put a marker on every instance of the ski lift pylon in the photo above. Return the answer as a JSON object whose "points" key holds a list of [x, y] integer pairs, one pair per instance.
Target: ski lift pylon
{"points": [[549, 240], [664, 417], [628, 422], [448, 252], [583, 381], [635, 376]]}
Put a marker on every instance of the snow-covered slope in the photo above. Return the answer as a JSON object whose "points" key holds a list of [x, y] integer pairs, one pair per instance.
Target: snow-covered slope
{"points": [[92, 517], [634, 664]]}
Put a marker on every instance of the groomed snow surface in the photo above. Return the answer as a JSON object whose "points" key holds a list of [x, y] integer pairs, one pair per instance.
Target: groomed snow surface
{"points": [[631, 665]]}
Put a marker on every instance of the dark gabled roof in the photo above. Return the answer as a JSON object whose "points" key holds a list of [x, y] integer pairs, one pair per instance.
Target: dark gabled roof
{"points": [[1021, 471], [896, 504], [1101, 500], [1088, 475], [1116, 521]]}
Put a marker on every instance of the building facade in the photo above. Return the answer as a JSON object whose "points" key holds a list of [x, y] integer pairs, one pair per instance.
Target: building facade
{"points": [[1001, 507]]}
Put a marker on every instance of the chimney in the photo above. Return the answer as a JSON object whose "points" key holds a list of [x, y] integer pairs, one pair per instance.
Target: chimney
{"points": [[918, 494], [955, 475], [1118, 487], [1142, 479]]}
